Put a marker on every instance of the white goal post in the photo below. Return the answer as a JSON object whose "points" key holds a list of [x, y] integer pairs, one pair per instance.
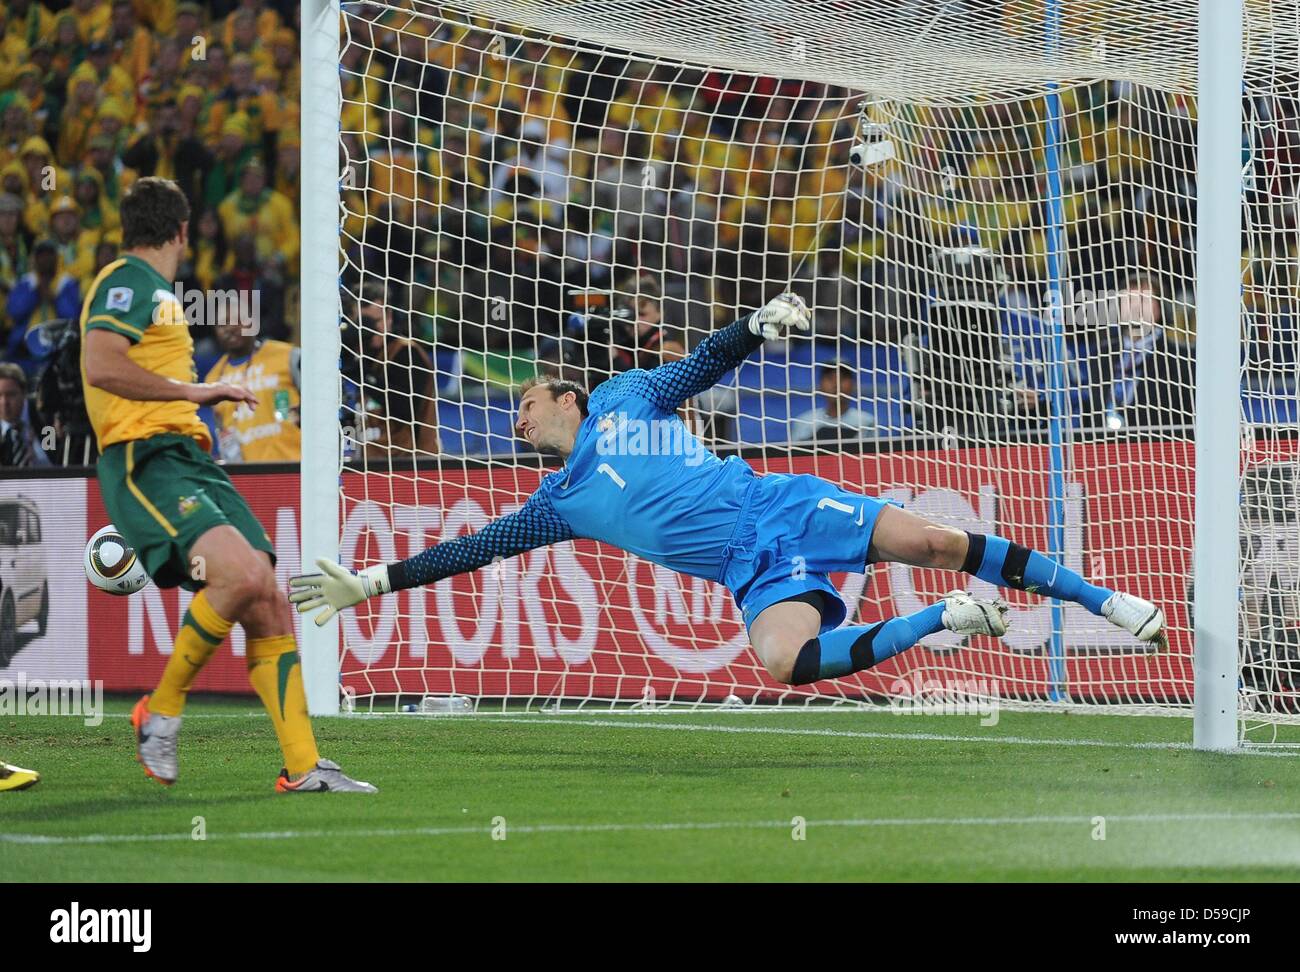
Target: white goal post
{"points": [[996, 129]]}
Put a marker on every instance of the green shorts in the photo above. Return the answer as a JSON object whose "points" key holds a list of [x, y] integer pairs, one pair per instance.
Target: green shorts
{"points": [[163, 493]]}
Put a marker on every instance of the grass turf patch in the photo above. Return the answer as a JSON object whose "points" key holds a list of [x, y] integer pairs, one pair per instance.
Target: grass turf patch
{"points": [[651, 796]]}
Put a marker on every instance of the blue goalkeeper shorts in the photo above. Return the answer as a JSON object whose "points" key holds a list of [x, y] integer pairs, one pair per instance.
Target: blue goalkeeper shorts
{"points": [[795, 532]]}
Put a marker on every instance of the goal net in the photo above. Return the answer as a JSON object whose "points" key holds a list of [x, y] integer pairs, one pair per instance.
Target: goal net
{"points": [[991, 209]]}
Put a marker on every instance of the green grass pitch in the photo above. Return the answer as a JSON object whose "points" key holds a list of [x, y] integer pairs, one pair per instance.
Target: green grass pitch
{"points": [[656, 796]]}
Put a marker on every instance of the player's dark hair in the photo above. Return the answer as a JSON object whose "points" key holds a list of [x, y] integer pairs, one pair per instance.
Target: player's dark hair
{"points": [[152, 212], [840, 370], [557, 387], [647, 288], [1142, 281]]}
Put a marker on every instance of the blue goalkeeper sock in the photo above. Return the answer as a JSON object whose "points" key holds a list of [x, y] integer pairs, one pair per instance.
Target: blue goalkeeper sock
{"points": [[847, 650], [999, 561]]}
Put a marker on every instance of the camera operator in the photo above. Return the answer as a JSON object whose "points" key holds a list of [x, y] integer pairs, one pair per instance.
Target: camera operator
{"points": [[967, 382]]}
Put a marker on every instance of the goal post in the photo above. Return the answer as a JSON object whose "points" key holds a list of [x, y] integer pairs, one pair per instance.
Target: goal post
{"points": [[1218, 410], [998, 245], [319, 333]]}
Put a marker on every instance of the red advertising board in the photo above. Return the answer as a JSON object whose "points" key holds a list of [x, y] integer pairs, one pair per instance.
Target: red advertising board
{"points": [[585, 620], [130, 638]]}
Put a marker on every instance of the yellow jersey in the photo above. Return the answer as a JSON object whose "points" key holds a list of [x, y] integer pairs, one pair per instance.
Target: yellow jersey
{"points": [[267, 433], [131, 298]]}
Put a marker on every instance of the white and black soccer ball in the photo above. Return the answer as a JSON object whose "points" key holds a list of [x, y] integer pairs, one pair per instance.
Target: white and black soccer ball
{"points": [[112, 565]]}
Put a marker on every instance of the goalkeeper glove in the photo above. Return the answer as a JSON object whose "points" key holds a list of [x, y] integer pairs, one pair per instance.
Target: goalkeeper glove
{"points": [[336, 588], [781, 312]]}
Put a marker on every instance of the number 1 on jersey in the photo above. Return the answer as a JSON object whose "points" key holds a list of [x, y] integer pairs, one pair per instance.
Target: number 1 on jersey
{"points": [[608, 470]]}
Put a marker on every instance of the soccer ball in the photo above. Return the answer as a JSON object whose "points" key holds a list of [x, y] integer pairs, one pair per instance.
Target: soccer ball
{"points": [[111, 565]]}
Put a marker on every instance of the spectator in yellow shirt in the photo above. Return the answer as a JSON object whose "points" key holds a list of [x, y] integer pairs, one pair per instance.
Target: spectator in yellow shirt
{"points": [[285, 61], [13, 51], [165, 74], [253, 19], [271, 370], [258, 211], [192, 109], [288, 168], [245, 96], [112, 120], [32, 94], [79, 113], [43, 181], [97, 213], [13, 180], [68, 47], [114, 179], [232, 151], [92, 17], [246, 40], [76, 246], [209, 257], [14, 243], [113, 81], [31, 21], [188, 23], [16, 127], [131, 46], [158, 15]]}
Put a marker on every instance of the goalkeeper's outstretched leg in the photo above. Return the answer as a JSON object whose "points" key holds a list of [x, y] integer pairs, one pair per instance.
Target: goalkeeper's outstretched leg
{"points": [[906, 538], [785, 635]]}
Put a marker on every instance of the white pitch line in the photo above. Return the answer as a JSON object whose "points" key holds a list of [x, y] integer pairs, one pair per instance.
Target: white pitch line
{"points": [[866, 734], [595, 828], [620, 722]]}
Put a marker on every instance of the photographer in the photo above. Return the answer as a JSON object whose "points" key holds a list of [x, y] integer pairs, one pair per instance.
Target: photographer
{"points": [[648, 344], [392, 378], [967, 381], [605, 335]]}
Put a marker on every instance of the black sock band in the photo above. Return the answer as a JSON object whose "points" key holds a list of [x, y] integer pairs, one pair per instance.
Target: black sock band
{"points": [[862, 655], [808, 665], [1014, 564], [974, 553]]}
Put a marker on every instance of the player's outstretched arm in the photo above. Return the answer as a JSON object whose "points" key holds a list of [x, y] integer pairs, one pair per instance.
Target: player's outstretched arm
{"points": [[108, 367], [675, 382], [335, 588]]}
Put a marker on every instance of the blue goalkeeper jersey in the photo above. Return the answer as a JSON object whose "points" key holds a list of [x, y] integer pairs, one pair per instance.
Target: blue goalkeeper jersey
{"points": [[637, 479]]}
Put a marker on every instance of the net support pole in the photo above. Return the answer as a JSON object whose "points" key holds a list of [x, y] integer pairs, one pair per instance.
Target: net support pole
{"points": [[1057, 418], [1218, 381], [321, 102]]}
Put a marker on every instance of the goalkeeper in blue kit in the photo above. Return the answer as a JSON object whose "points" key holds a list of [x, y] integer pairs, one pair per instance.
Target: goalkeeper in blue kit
{"points": [[771, 540]]}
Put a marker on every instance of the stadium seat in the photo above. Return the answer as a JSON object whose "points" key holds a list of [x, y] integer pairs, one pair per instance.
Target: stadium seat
{"points": [[477, 428]]}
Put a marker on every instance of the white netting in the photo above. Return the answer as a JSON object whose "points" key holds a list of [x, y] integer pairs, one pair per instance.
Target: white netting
{"points": [[933, 181]]}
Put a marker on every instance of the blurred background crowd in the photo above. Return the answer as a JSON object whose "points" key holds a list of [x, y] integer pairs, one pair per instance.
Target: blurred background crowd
{"points": [[515, 205], [97, 93]]}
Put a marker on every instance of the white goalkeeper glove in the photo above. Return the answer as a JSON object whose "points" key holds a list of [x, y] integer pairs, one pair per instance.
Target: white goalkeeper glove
{"points": [[787, 310], [336, 589]]}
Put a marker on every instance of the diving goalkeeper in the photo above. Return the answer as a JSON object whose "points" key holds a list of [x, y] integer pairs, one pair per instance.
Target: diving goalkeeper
{"points": [[772, 540]]}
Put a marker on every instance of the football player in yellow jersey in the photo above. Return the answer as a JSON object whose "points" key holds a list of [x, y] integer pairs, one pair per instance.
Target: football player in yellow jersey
{"points": [[174, 504], [267, 432]]}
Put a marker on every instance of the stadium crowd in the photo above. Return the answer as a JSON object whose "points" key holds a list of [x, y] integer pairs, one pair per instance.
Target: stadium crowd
{"points": [[516, 205], [94, 95]]}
